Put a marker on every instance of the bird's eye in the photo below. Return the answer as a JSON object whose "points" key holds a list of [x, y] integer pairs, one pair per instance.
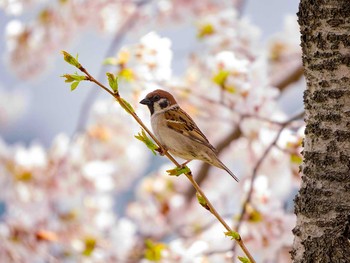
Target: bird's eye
{"points": [[156, 98]]}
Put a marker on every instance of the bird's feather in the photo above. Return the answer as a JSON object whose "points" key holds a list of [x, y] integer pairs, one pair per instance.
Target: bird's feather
{"points": [[179, 121]]}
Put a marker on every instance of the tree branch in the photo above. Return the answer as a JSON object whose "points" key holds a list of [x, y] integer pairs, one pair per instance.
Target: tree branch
{"points": [[119, 36], [204, 169], [189, 176], [294, 75], [257, 167], [282, 84]]}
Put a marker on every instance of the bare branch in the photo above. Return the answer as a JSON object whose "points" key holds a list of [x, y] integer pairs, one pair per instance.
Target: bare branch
{"points": [[293, 76], [257, 167], [204, 169], [119, 36], [189, 176], [281, 84]]}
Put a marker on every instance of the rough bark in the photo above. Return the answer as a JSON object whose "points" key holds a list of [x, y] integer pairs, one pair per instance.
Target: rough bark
{"points": [[322, 205]]}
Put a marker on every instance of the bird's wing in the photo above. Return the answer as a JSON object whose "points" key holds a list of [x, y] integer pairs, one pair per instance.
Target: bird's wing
{"points": [[179, 121]]}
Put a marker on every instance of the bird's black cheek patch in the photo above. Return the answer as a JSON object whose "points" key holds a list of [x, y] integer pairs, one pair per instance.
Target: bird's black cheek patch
{"points": [[151, 108], [164, 104]]}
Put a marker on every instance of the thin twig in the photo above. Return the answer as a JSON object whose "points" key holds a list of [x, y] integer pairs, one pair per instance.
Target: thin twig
{"points": [[282, 84], [171, 158], [260, 118], [119, 36], [204, 169], [240, 5], [182, 233], [257, 167], [294, 75], [234, 135]]}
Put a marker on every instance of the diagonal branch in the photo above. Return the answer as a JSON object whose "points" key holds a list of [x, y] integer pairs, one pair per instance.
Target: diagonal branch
{"points": [[207, 204], [281, 84], [259, 163], [204, 169], [118, 38], [294, 75]]}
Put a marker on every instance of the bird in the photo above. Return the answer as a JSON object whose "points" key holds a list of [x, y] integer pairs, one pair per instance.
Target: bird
{"points": [[177, 131]]}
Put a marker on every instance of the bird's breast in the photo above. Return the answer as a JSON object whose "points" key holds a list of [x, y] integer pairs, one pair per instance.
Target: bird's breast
{"points": [[164, 134], [157, 122], [174, 141]]}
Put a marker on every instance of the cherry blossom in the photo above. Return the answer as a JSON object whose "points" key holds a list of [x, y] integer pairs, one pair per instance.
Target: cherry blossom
{"points": [[87, 197]]}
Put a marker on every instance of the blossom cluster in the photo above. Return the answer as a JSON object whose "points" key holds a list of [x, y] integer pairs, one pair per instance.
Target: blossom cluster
{"points": [[59, 203], [31, 45], [86, 199]]}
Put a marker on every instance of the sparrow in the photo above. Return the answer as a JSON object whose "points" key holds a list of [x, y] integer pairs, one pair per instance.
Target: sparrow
{"points": [[177, 131]]}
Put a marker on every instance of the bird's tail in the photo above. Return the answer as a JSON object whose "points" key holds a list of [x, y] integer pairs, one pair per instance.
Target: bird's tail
{"points": [[222, 166]]}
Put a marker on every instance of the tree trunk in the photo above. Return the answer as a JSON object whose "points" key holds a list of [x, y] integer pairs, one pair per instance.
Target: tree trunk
{"points": [[322, 205]]}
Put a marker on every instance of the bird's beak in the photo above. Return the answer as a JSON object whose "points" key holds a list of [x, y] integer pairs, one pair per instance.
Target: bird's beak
{"points": [[145, 101]]}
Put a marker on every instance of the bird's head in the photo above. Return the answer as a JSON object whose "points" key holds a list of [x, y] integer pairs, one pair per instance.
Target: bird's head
{"points": [[158, 100]]}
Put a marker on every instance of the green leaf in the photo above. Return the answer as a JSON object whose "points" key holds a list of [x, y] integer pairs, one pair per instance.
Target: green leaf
{"points": [[113, 81], [68, 77], [25, 176], [90, 244], [70, 59], [126, 106], [296, 158], [110, 61], [254, 215], [153, 251], [74, 85], [178, 171], [231, 89], [244, 260], [234, 235], [221, 77], [146, 140], [202, 201], [73, 77], [127, 74], [205, 30]]}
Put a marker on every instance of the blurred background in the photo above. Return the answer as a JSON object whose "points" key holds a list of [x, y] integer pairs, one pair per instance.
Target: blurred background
{"points": [[46, 106], [76, 186]]}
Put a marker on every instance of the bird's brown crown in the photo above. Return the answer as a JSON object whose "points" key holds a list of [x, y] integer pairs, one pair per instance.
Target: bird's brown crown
{"points": [[162, 94]]}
